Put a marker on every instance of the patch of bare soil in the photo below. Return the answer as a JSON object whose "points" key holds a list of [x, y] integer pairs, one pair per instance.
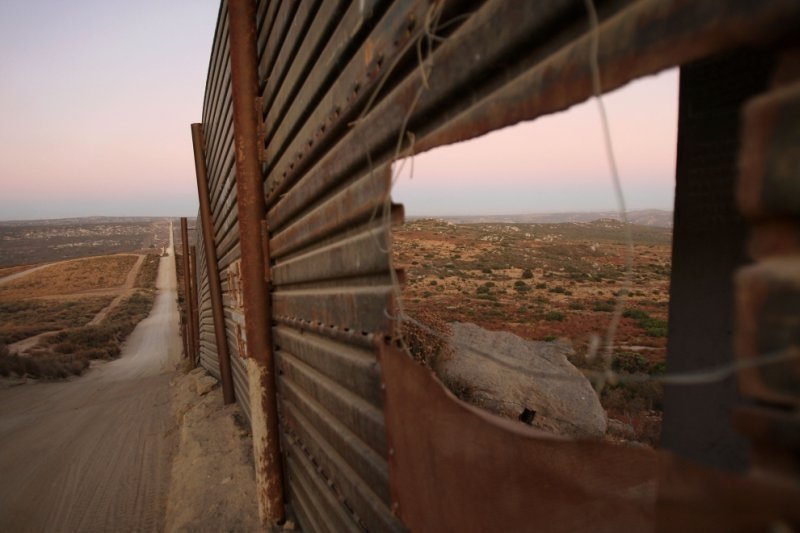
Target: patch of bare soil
{"points": [[213, 477]]}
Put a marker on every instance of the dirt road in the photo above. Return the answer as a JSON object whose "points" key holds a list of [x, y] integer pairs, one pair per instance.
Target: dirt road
{"points": [[94, 453]]}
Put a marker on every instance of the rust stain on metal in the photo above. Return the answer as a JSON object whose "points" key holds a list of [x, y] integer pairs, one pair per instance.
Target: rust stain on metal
{"points": [[457, 468], [187, 291], [212, 266], [251, 210], [193, 285]]}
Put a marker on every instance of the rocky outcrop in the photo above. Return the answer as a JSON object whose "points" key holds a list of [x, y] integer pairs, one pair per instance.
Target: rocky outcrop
{"points": [[529, 380]]}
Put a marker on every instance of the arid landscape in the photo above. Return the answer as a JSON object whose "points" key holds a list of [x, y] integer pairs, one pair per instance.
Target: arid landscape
{"points": [[55, 317], [556, 283], [33, 242]]}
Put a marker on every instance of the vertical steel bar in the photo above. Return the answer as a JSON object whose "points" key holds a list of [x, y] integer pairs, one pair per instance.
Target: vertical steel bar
{"points": [[187, 289], [195, 307], [252, 210], [212, 267]]}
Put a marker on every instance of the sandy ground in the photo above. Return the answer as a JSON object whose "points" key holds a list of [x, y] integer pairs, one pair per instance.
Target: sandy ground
{"points": [[94, 453], [213, 477]]}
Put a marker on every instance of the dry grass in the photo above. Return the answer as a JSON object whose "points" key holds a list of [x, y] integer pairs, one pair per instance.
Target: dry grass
{"points": [[71, 277], [13, 270], [70, 351], [146, 279], [26, 318]]}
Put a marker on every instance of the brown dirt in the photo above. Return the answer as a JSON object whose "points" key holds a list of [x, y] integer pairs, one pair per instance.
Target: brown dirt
{"points": [[93, 454], [213, 477]]}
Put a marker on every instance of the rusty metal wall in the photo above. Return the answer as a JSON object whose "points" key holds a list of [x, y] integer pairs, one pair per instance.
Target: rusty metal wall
{"points": [[208, 352], [219, 153], [342, 85], [330, 276]]}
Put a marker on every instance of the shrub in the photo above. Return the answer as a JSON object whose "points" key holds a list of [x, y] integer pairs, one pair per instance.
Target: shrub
{"points": [[635, 313], [549, 338], [654, 327], [558, 290], [577, 306], [554, 316], [630, 362], [541, 285], [527, 274], [605, 307]]}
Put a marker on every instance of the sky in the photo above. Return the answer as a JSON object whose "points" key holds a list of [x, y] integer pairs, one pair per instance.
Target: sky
{"points": [[96, 99], [557, 163]]}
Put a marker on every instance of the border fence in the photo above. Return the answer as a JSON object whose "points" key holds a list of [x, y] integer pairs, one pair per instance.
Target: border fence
{"points": [[307, 105]]}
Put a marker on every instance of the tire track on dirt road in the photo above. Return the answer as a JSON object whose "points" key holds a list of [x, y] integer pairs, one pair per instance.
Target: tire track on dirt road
{"points": [[94, 453]]}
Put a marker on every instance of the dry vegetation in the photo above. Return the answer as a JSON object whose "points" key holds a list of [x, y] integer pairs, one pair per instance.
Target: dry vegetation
{"points": [[548, 282], [46, 241], [21, 319], [71, 277], [146, 279], [28, 308]]}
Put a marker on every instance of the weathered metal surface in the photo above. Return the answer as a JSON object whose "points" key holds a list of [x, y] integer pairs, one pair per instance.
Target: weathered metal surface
{"points": [[370, 510], [361, 309], [311, 487], [193, 298], [207, 352], [316, 66], [349, 257], [456, 468], [357, 202], [316, 51], [252, 210], [351, 367], [768, 324], [211, 270], [295, 144], [307, 45], [358, 415], [370, 466], [770, 155], [187, 291]]}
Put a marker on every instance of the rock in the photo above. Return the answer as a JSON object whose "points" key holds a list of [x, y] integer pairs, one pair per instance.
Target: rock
{"points": [[199, 371], [204, 384], [505, 380], [619, 429]]}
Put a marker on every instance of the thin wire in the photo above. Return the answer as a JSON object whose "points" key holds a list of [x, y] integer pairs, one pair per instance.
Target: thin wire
{"points": [[622, 295]]}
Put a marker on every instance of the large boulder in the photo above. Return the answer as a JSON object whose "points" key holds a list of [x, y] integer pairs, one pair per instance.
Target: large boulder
{"points": [[515, 378]]}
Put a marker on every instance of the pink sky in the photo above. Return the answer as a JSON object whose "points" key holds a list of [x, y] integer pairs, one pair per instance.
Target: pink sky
{"points": [[97, 97], [558, 162]]}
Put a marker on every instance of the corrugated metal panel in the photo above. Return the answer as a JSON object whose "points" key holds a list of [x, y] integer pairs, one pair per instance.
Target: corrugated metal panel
{"points": [[331, 290], [326, 173], [220, 159], [208, 351]]}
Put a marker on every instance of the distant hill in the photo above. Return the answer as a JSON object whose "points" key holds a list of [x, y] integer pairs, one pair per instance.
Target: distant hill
{"points": [[80, 221], [644, 217]]}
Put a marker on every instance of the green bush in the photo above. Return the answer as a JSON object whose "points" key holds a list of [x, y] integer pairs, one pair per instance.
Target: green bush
{"points": [[605, 307], [554, 316], [635, 313], [630, 362]]}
